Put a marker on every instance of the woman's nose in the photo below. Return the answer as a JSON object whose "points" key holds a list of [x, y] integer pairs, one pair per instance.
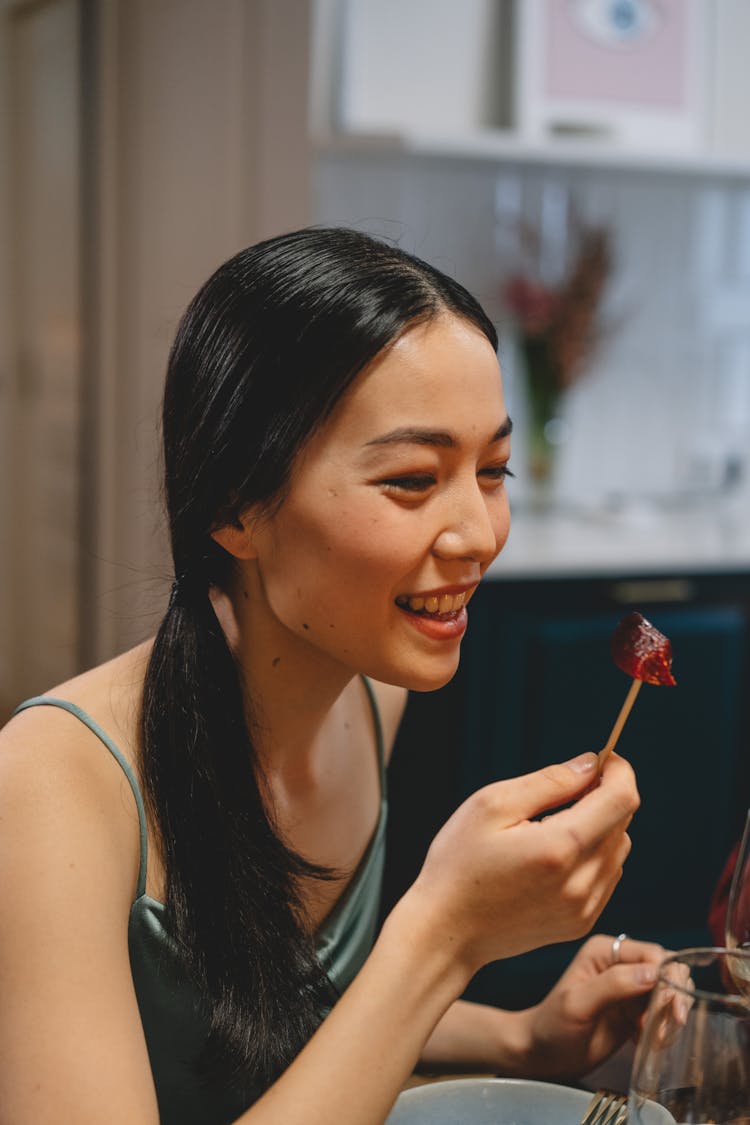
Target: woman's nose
{"points": [[475, 526]]}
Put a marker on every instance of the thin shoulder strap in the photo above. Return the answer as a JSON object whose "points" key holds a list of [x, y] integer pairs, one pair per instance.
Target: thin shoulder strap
{"points": [[51, 701], [378, 729]]}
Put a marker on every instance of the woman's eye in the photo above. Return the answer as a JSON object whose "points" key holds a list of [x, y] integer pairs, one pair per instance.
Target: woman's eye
{"points": [[414, 483], [496, 472]]}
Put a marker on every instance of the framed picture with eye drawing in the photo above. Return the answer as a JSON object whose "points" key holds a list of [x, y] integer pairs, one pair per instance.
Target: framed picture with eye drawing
{"points": [[624, 73]]}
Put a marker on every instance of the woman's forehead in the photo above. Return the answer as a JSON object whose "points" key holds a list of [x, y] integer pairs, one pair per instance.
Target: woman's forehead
{"points": [[443, 369]]}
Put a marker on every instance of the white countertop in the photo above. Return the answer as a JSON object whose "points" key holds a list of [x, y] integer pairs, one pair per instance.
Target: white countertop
{"points": [[640, 541]]}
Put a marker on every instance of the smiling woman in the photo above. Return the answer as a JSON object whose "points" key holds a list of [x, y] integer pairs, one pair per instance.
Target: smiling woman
{"points": [[336, 445]]}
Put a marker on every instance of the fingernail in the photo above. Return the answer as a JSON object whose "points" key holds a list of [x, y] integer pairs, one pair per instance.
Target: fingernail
{"points": [[646, 974], [584, 763]]}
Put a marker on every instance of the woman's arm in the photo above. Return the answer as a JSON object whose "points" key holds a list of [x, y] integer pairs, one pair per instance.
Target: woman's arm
{"points": [[594, 1008], [71, 1042], [492, 883], [479, 1037], [355, 1065]]}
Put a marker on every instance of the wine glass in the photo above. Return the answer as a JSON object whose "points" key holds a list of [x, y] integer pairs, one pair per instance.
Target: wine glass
{"points": [[738, 911], [692, 1063]]}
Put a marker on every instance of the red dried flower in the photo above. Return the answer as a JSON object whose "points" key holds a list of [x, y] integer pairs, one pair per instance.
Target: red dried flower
{"points": [[561, 321]]}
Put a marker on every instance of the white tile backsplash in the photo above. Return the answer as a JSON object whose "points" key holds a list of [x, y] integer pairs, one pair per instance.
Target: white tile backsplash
{"points": [[664, 411]]}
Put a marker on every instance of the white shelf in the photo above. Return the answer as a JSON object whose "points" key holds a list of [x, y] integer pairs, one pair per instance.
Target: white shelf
{"points": [[504, 146]]}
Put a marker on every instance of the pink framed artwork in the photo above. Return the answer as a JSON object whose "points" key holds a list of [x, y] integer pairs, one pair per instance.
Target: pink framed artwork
{"points": [[628, 72]]}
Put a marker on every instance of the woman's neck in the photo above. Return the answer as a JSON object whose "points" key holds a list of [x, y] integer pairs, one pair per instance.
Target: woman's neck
{"points": [[295, 695]]}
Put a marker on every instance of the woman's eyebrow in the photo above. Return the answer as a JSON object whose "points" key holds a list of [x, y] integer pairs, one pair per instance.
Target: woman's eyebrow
{"points": [[414, 435]]}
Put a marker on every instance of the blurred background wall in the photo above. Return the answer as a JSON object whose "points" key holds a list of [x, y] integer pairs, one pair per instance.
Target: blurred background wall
{"points": [[144, 141]]}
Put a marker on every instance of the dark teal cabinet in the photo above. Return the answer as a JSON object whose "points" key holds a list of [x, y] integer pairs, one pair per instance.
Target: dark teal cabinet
{"points": [[536, 685]]}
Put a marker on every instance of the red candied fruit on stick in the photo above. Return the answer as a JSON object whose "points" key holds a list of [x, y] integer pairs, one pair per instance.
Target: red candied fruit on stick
{"points": [[642, 651]]}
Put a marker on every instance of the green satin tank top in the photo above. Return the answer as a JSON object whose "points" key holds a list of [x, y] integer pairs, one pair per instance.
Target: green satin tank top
{"points": [[173, 1022]]}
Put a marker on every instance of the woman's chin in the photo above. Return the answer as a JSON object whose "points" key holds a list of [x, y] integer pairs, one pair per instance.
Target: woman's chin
{"points": [[429, 678]]}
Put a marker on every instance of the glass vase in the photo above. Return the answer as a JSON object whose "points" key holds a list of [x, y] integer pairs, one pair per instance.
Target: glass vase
{"points": [[543, 398]]}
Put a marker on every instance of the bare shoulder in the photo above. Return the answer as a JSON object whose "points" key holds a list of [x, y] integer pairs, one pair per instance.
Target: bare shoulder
{"points": [[391, 702], [69, 865], [59, 783], [63, 798], [109, 694]]}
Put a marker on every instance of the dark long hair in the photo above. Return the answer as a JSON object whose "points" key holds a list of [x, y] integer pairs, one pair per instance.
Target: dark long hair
{"points": [[264, 351]]}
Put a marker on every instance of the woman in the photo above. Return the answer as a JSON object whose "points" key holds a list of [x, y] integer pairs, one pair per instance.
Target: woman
{"points": [[187, 907]]}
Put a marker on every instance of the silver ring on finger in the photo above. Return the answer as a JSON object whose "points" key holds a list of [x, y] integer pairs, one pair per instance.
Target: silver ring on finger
{"points": [[616, 947]]}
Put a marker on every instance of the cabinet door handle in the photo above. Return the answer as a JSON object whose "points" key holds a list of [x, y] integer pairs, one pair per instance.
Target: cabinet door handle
{"points": [[653, 590]]}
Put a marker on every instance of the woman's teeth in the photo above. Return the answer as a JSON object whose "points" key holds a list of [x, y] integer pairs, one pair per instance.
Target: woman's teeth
{"points": [[436, 603]]}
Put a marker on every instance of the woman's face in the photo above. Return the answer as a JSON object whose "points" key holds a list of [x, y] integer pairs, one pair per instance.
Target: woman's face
{"points": [[395, 510]]}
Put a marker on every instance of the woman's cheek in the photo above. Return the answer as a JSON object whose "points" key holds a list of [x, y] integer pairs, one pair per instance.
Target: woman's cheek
{"points": [[502, 522]]}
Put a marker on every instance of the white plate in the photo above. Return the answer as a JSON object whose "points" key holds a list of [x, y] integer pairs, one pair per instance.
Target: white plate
{"points": [[492, 1101]]}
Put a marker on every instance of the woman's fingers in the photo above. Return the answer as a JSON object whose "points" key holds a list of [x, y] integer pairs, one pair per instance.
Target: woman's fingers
{"points": [[608, 982], [590, 820], [630, 951], [524, 798], [596, 874], [617, 984], [612, 804], [509, 881]]}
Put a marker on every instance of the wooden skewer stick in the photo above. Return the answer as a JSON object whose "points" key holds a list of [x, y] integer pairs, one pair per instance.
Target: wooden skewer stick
{"points": [[635, 687]]}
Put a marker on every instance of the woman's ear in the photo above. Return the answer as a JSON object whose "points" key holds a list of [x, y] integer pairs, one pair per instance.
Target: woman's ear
{"points": [[237, 538]]}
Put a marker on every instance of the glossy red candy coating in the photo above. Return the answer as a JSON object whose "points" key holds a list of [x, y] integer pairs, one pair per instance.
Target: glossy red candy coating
{"points": [[642, 651]]}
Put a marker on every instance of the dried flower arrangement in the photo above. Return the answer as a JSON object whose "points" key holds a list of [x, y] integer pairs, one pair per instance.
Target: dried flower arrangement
{"points": [[558, 329]]}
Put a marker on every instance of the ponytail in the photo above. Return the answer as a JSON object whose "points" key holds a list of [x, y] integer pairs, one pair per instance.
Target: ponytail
{"points": [[232, 897]]}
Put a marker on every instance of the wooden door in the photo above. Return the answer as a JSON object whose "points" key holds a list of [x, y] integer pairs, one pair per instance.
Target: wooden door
{"points": [[40, 388]]}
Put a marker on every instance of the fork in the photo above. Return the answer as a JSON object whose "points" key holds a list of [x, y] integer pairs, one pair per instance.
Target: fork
{"points": [[606, 1109]]}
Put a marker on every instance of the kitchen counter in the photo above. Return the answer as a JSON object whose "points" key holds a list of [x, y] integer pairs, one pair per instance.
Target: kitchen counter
{"points": [[639, 541]]}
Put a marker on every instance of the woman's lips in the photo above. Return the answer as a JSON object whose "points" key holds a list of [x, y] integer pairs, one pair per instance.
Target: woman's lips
{"points": [[440, 615], [439, 627]]}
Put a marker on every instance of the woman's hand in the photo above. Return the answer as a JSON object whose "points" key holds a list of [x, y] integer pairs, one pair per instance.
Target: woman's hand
{"points": [[497, 882], [593, 1009]]}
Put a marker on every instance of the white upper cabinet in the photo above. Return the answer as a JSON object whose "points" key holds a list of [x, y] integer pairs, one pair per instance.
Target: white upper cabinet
{"points": [[582, 81]]}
